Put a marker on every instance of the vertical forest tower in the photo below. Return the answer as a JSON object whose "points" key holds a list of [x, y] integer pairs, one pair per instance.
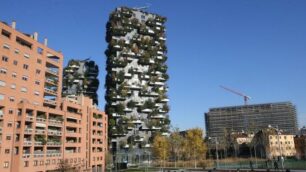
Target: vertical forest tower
{"points": [[136, 89]]}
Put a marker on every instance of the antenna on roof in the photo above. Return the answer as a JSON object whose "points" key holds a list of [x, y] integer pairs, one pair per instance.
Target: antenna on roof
{"points": [[148, 5]]}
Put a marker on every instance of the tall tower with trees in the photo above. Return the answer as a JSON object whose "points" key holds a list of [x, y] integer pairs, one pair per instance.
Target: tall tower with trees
{"points": [[136, 88]]}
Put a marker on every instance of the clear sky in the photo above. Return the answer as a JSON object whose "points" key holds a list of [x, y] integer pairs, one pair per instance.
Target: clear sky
{"points": [[258, 47]]}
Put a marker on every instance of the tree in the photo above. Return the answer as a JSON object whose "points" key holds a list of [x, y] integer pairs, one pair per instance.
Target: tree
{"points": [[161, 147], [176, 142], [196, 146]]}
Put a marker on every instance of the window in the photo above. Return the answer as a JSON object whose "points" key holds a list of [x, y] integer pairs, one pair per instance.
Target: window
{"points": [[39, 61], [13, 86], [41, 163], [6, 46], [6, 164], [4, 58], [11, 111], [25, 78], [8, 137], [9, 124], [24, 89], [2, 83], [36, 93], [26, 56], [48, 162], [14, 75], [26, 163], [24, 42], [12, 99], [39, 50], [35, 163], [25, 66], [3, 71], [1, 97], [7, 151], [37, 82], [6, 33], [17, 51], [15, 62], [37, 71]]}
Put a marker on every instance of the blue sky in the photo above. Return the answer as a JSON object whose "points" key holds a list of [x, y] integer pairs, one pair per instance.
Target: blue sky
{"points": [[258, 47]]}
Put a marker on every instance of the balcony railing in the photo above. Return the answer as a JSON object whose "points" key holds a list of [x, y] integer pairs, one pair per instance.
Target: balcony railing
{"points": [[51, 81], [54, 132], [48, 101], [52, 72], [29, 117], [28, 130], [50, 91], [55, 122], [53, 143], [38, 154], [26, 155], [43, 120], [40, 131], [53, 153], [27, 143]]}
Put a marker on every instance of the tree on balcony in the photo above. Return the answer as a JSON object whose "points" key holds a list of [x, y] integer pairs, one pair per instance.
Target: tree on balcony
{"points": [[166, 108], [40, 138], [131, 104], [120, 109], [123, 90]]}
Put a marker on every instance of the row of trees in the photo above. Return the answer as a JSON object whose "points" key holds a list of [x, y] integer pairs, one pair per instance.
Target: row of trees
{"points": [[180, 146]]}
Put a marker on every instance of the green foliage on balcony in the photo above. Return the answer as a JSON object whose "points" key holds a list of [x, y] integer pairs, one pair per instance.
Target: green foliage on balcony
{"points": [[161, 19], [40, 138], [154, 123], [54, 139], [111, 123], [41, 115], [118, 32], [149, 104], [166, 108], [97, 116], [123, 91], [167, 121], [119, 62], [119, 109], [56, 118], [119, 129], [131, 104]]}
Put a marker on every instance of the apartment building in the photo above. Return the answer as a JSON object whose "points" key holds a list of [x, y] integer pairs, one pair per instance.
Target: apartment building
{"points": [[136, 88], [251, 118], [40, 130], [272, 143]]}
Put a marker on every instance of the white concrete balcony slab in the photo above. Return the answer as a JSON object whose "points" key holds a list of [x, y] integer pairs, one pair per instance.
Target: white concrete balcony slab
{"points": [[156, 128], [137, 121], [146, 110], [165, 100], [128, 110], [158, 116], [160, 52]]}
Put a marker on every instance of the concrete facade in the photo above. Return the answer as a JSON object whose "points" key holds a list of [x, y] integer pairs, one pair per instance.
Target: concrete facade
{"points": [[136, 82], [39, 129], [251, 118]]}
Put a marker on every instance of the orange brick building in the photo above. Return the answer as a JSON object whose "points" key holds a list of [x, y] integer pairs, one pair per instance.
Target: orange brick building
{"points": [[40, 130]]}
